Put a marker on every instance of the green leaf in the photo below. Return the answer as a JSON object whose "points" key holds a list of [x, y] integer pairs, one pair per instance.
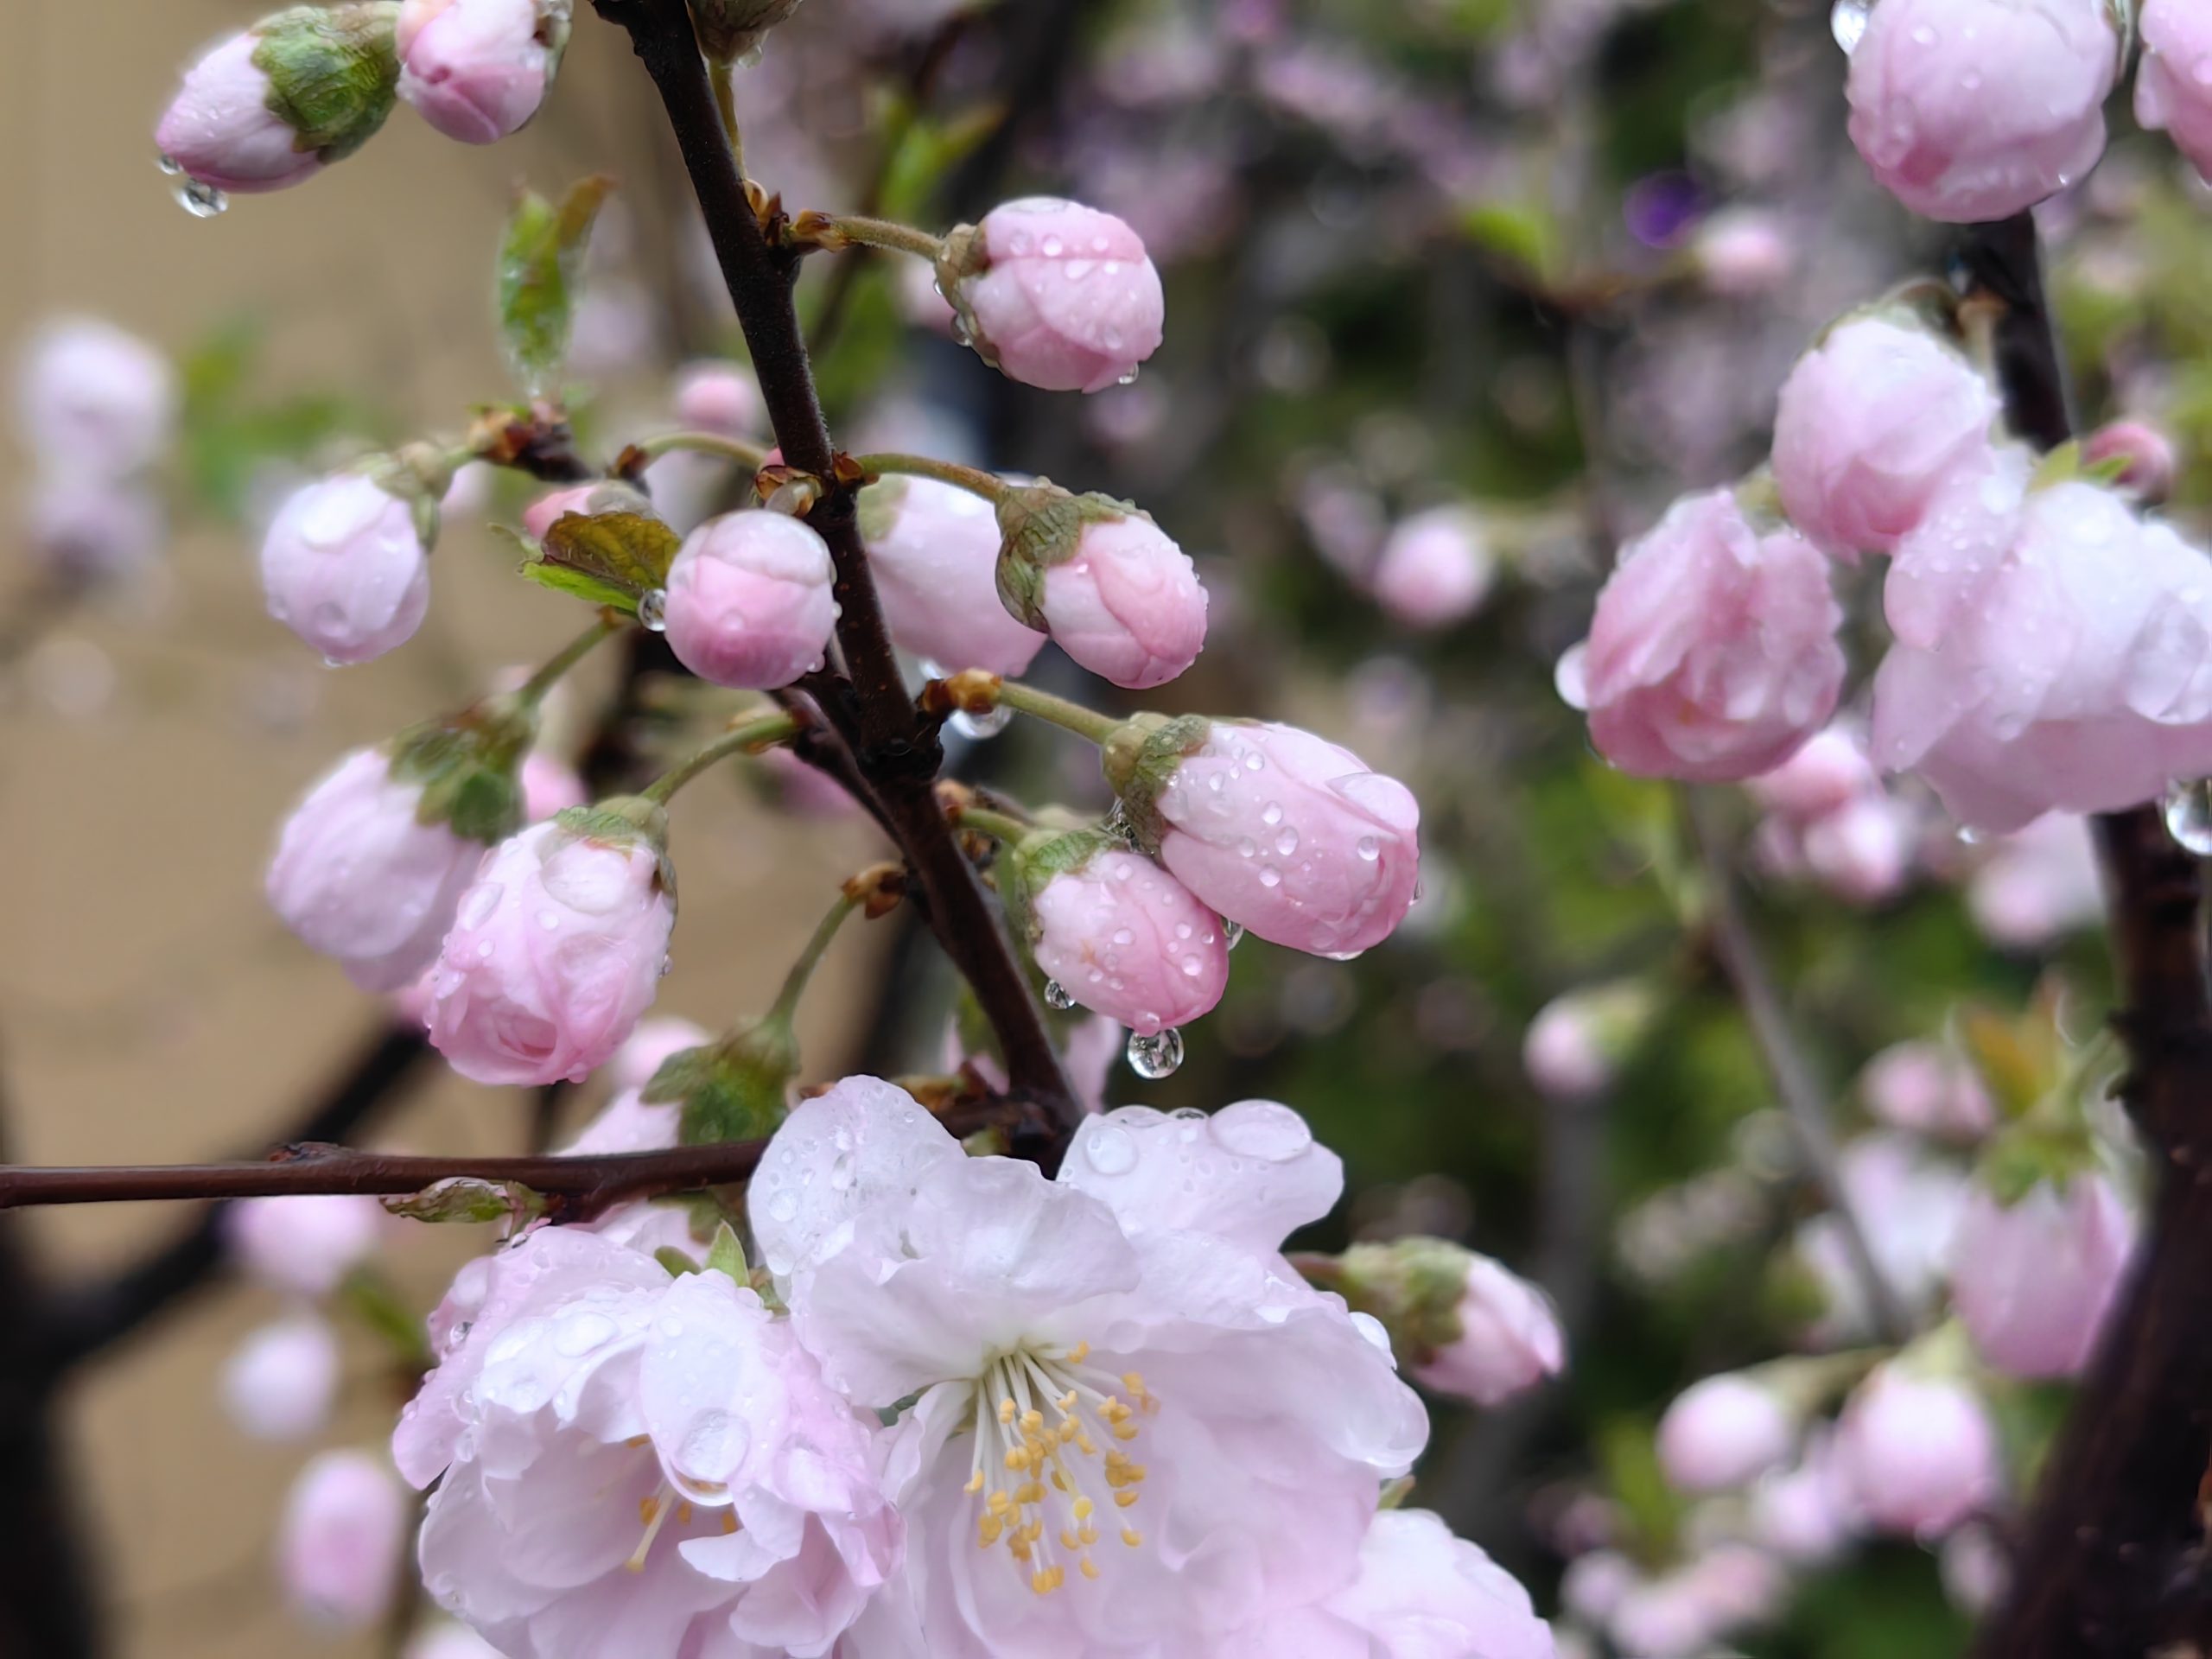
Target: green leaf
{"points": [[727, 1256], [541, 256], [675, 1261], [1524, 234], [925, 150], [607, 558]]}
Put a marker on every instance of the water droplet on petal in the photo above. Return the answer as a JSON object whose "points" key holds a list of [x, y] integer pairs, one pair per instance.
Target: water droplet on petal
{"points": [[2189, 816], [201, 199], [1156, 1056], [982, 727], [1058, 996], [652, 610], [1110, 1149], [1232, 933], [1847, 23]]}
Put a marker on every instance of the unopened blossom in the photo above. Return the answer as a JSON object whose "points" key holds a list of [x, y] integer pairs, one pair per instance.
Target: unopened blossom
{"points": [[83, 528], [1421, 1593], [933, 550], [1929, 1089], [2173, 82], [1862, 851], [556, 952], [1436, 569], [1913, 1201], [1826, 775], [1508, 1338], [715, 395], [2033, 1281], [93, 400], [1743, 252], [1683, 1612], [339, 1542], [1805, 1514], [2053, 651], [749, 604], [2145, 456], [1713, 656], [2038, 884], [1972, 109], [346, 566], [630, 1460], [1277, 830], [1920, 1453], [1575, 1045], [549, 509], [1723, 1432], [1122, 937], [1054, 294], [280, 1383], [1871, 421], [1104, 579], [1132, 1426], [304, 1242], [477, 70]]}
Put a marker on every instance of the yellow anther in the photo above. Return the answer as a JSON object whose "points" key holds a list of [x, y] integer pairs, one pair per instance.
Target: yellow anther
{"points": [[1031, 1420], [1085, 1445], [1133, 1381], [1114, 1411], [1006, 1409], [1084, 1507], [1122, 1499], [1125, 1431], [1132, 1537], [1060, 1481], [1018, 1457], [636, 1440], [1087, 1533], [975, 1483], [1068, 1429], [998, 1503], [1031, 1491], [987, 1530], [647, 1508], [684, 1513], [1068, 1539], [1066, 1401], [1089, 1567], [1080, 1352], [729, 1522]]}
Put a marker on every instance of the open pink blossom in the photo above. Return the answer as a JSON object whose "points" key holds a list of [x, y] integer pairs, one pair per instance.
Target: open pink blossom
{"points": [[1127, 604], [1509, 1339], [749, 603], [934, 551], [556, 952], [1713, 656], [1421, 1593], [2038, 884], [477, 70], [222, 128], [1920, 1453], [304, 1242], [1928, 1089], [359, 876], [1291, 836], [1219, 1430], [94, 401], [1723, 1432], [1435, 568], [338, 1543], [1870, 421], [2173, 83], [280, 1383], [1056, 295], [1971, 110], [2053, 652], [2033, 1281], [1126, 939], [345, 566], [629, 1461]]}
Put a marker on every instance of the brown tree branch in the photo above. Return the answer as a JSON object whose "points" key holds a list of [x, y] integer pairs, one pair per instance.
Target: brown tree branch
{"points": [[2112, 1557]]}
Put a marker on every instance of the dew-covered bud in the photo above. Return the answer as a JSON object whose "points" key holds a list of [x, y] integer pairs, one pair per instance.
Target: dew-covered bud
{"points": [[2032, 1281], [749, 601], [1435, 570], [1724, 1432], [338, 1543], [2173, 83], [933, 550], [274, 104], [279, 1384], [1104, 579], [1920, 1453], [477, 70], [1464, 1326], [345, 563], [1054, 294], [94, 402]]}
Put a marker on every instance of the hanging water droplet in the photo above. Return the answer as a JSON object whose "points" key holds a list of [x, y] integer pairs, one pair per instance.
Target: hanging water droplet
{"points": [[2189, 816], [1058, 996], [652, 610], [961, 333], [986, 725], [1117, 820], [1156, 1056], [166, 165], [1847, 23], [1129, 380], [1232, 934], [200, 199], [1970, 836]]}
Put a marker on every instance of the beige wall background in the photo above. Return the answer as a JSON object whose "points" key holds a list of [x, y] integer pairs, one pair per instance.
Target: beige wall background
{"points": [[151, 1009]]}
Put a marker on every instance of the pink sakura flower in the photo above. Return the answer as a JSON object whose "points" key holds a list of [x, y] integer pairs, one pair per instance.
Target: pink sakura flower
{"points": [[749, 604], [1970, 109], [1925, 1088], [1055, 295], [338, 1543], [2173, 83], [2033, 1281], [2038, 884], [934, 551], [1420, 1593], [1509, 1339], [93, 400], [223, 127], [278, 1385], [1435, 568], [1126, 939], [1805, 1514], [1921, 1454], [2053, 651], [305, 1244], [345, 565], [1132, 1426], [1871, 423], [1127, 603], [556, 952], [477, 70], [1723, 1432], [626, 1459], [1713, 656]]}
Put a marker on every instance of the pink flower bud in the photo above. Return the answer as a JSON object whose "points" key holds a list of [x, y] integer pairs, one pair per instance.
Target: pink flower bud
{"points": [[1805, 1515], [645, 1047], [749, 604], [1970, 109], [1509, 1339], [1825, 776], [1722, 1433], [1920, 1453], [1744, 253], [1871, 421], [477, 70], [1055, 295], [548, 786], [1927, 1088], [934, 551], [2147, 454], [305, 1244], [359, 875], [1127, 940], [713, 395], [555, 952], [221, 128], [1291, 836], [552, 507], [1862, 852], [345, 567], [93, 400], [279, 1384], [2038, 884], [338, 1546], [1713, 654], [1436, 569], [1127, 604], [84, 528], [1561, 1053], [2173, 83], [2032, 1282]]}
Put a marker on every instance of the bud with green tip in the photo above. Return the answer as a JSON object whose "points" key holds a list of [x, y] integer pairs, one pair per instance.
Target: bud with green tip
{"points": [[1100, 577], [1461, 1323], [737, 1088]]}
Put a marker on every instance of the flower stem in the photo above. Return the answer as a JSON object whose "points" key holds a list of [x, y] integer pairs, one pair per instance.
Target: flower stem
{"points": [[1000, 826], [1069, 717], [787, 1004], [746, 738], [881, 233], [973, 480], [724, 77], [705, 444], [534, 688]]}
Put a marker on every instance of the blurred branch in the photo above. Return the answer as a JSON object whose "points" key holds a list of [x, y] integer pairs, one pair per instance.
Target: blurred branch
{"points": [[2112, 1559]]}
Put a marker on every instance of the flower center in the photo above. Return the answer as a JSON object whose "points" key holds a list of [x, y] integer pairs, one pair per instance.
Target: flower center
{"points": [[1041, 1416], [655, 1512]]}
